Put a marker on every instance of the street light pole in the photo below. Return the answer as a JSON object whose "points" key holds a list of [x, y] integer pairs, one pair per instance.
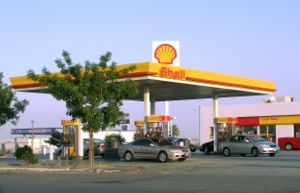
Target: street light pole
{"points": [[199, 109], [32, 122]]}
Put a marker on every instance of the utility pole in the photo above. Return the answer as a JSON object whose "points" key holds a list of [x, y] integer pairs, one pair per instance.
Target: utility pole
{"points": [[199, 109]]}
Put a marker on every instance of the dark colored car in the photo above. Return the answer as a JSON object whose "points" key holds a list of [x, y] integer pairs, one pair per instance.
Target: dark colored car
{"points": [[192, 147], [182, 142], [207, 147], [99, 147]]}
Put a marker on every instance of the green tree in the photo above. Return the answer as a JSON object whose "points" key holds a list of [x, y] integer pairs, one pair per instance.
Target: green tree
{"points": [[58, 139], [93, 93], [26, 153], [175, 130], [10, 106]]}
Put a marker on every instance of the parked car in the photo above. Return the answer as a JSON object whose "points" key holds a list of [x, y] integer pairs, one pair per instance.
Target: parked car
{"points": [[99, 146], [244, 144], [289, 143], [192, 147], [147, 149], [182, 142], [207, 147]]}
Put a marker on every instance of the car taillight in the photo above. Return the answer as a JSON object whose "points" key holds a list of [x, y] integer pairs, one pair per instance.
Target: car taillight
{"points": [[100, 146]]}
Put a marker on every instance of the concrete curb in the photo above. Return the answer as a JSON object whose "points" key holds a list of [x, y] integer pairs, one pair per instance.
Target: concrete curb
{"points": [[86, 170]]}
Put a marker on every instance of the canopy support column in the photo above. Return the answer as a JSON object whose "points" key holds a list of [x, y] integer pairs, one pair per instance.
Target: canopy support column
{"points": [[152, 105], [215, 116], [146, 107], [167, 112]]}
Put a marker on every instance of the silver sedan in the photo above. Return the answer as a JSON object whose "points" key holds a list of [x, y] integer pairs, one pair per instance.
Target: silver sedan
{"points": [[147, 149], [244, 144]]}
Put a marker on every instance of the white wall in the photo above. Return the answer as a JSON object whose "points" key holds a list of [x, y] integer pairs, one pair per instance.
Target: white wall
{"points": [[128, 135], [284, 131]]}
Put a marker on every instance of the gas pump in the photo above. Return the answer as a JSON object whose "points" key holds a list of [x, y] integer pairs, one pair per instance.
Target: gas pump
{"points": [[139, 128], [227, 127], [72, 134], [158, 126]]}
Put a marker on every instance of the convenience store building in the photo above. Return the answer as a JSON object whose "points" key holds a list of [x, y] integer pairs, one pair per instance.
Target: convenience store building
{"points": [[271, 119]]}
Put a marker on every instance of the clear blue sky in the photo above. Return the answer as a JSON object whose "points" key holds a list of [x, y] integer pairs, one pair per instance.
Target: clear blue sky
{"points": [[259, 39]]}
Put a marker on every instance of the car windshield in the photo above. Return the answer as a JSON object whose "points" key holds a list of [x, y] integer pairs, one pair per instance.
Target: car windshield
{"points": [[98, 141], [257, 138], [164, 142]]}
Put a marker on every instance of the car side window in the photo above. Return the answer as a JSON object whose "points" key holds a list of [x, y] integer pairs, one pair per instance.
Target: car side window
{"points": [[143, 142], [246, 140], [243, 139], [146, 143], [233, 139], [137, 142]]}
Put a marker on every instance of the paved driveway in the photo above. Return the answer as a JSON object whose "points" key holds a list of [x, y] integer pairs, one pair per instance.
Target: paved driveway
{"points": [[213, 173]]}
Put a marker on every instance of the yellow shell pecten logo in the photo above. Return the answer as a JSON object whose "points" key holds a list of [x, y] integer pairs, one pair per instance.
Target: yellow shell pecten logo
{"points": [[165, 54]]}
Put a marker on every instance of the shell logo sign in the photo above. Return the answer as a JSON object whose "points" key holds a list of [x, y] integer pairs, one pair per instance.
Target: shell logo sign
{"points": [[165, 52]]}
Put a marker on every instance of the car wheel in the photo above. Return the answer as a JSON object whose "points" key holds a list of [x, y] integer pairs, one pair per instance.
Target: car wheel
{"points": [[181, 159], [254, 152], [128, 156], [271, 154], [288, 146], [162, 157], [206, 151], [243, 155], [226, 152]]}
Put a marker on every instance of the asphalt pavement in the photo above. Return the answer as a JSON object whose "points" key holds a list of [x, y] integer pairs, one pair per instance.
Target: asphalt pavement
{"points": [[207, 174]]}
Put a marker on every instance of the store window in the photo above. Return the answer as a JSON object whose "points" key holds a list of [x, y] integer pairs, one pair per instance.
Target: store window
{"points": [[297, 130], [268, 132], [250, 130]]}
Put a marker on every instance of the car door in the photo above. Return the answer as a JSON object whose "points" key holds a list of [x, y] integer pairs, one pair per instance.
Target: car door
{"points": [[232, 144], [243, 145], [148, 149], [141, 148], [137, 149]]}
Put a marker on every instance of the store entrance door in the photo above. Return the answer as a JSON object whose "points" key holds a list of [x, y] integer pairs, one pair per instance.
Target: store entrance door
{"points": [[268, 132]]}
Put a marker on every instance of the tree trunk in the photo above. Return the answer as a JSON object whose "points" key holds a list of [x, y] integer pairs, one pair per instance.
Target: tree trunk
{"points": [[91, 149]]}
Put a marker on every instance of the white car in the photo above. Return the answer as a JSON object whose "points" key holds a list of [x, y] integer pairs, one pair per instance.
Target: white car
{"points": [[245, 144]]}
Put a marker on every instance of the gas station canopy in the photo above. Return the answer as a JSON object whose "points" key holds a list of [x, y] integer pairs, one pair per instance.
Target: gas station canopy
{"points": [[165, 82], [169, 82]]}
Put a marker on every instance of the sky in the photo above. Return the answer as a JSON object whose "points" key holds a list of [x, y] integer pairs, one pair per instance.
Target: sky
{"points": [[258, 39]]}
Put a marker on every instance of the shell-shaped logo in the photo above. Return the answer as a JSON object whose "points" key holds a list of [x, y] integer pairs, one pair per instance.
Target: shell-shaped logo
{"points": [[165, 54]]}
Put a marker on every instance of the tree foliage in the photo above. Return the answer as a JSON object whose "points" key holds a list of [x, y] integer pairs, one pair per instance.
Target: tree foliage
{"points": [[58, 139], [10, 106], [175, 130], [93, 93], [26, 153]]}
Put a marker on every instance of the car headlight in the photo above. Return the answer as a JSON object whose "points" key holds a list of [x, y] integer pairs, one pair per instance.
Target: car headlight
{"points": [[265, 145]]}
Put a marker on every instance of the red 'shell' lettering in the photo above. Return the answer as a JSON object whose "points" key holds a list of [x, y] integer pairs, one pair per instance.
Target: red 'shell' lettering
{"points": [[175, 74]]}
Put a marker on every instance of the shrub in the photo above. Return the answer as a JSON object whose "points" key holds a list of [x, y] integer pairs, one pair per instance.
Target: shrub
{"points": [[26, 153], [109, 139], [1, 153]]}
